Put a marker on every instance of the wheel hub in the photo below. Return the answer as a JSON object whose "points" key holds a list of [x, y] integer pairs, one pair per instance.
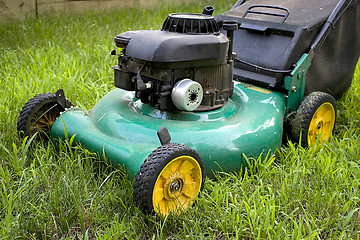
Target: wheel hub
{"points": [[319, 127], [173, 185]]}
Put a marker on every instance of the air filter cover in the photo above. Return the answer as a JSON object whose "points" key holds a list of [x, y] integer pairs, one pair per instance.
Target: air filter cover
{"points": [[190, 23]]}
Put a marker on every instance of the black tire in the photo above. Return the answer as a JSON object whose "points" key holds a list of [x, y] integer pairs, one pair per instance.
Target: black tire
{"points": [[38, 115], [315, 119], [172, 187]]}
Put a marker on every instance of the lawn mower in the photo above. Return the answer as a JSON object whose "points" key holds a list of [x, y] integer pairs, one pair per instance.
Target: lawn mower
{"points": [[205, 94]]}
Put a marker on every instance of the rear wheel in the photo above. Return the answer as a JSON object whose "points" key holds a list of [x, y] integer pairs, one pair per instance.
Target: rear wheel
{"points": [[315, 119], [38, 115], [169, 180]]}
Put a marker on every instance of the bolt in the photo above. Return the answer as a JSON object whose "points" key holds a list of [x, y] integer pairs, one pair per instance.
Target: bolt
{"points": [[174, 186], [293, 89], [300, 74]]}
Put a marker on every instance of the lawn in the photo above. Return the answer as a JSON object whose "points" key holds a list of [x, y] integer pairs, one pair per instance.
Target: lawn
{"points": [[65, 191]]}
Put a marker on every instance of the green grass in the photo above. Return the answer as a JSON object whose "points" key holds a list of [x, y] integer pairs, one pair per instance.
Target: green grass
{"points": [[49, 192]]}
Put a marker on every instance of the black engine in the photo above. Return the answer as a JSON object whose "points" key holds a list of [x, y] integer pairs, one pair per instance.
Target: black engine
{"points": [[187, 65]]}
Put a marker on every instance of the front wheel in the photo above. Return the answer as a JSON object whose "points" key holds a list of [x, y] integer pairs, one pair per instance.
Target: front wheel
{"points": [[38, 115], [315, 119], [169, 180]]}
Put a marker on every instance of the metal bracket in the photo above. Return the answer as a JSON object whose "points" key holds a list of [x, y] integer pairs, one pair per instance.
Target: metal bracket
{"points": [[60, 98], [295, 83], [164, 136]]}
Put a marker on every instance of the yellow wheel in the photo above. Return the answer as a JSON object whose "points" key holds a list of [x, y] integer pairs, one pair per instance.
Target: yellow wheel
{"points": [[321, 124], [169, 180], [315, 119], [177, 185]]}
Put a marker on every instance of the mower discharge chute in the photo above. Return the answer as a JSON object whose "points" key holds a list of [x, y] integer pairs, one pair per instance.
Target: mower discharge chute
{"points": [[213, 92]]}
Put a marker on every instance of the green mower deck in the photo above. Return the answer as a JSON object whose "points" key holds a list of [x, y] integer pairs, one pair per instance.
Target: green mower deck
{"points": [[124, 130]]}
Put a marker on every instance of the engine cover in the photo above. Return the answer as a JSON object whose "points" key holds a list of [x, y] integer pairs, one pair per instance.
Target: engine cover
{"points": [[168, 47], [189, 47]]}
